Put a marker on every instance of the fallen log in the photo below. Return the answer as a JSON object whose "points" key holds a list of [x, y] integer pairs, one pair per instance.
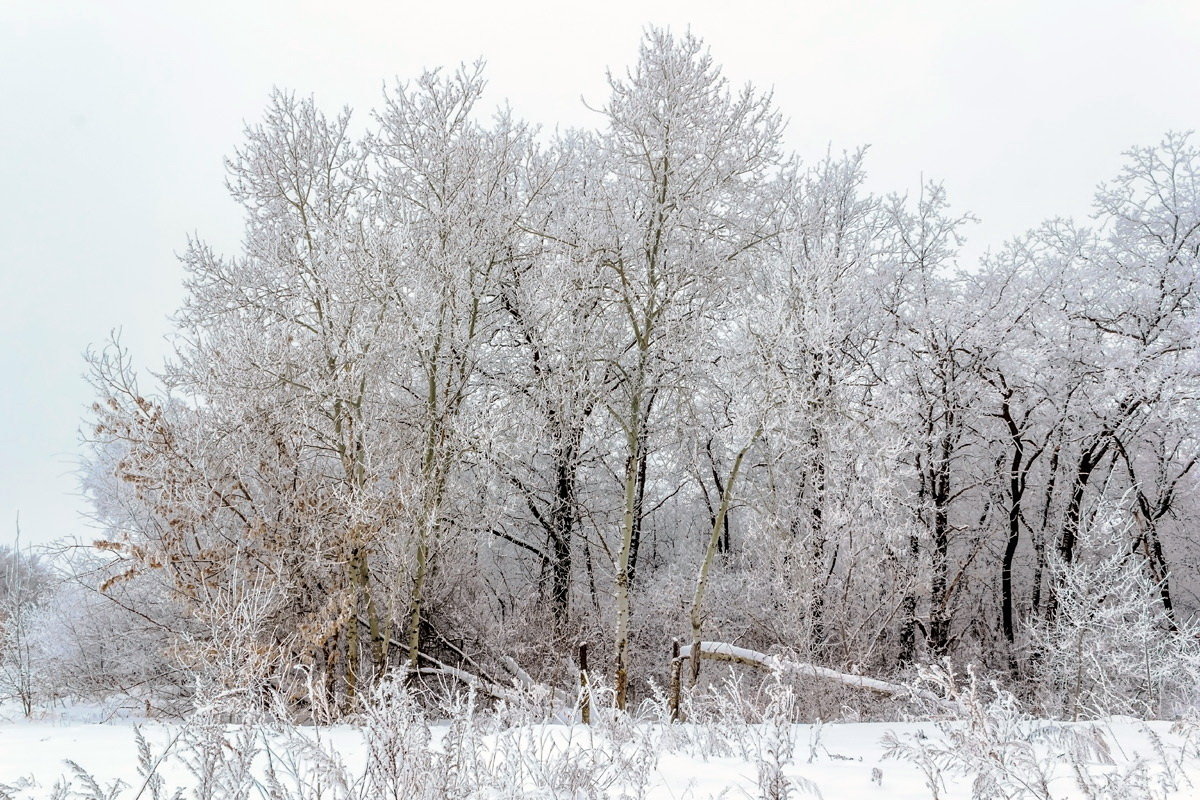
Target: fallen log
{"points": [[482, 685], [722, 651], [524, 687]]}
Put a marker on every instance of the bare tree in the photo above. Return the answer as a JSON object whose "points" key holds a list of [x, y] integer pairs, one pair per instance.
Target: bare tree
{"points": [[685, 160]]}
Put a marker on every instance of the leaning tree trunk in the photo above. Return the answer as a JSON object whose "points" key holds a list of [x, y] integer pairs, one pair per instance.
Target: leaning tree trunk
{"points": [[710, 552]]}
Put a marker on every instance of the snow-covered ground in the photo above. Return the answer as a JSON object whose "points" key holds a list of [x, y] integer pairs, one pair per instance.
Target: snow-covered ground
{"points": [[649, 760]]}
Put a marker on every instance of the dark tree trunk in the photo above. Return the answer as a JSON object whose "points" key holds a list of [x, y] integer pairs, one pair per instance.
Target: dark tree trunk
{"points": [[639, 498], [908, 609], [939, 611], [1017, 471], [562, 527], [1073, 516]]}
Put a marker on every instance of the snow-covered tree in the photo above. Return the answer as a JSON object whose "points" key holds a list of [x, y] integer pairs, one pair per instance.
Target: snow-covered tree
{"points": [[470, 391]]}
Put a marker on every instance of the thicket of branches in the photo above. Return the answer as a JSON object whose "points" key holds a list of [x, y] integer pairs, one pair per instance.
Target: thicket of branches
{"points": [[474, 392]]}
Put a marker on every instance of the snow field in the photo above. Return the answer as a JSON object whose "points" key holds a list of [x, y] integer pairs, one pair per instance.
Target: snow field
{"points": [[624, 760]]}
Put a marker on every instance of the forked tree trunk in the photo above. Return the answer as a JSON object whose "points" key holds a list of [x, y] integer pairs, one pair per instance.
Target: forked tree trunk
{"points": [[710, 552]]}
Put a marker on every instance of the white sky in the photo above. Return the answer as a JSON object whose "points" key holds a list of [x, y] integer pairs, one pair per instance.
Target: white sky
{"points": [[115, 117]]}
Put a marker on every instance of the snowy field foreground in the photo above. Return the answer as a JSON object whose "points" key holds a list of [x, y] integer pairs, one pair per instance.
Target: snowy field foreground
{"points": [[404, 757]]}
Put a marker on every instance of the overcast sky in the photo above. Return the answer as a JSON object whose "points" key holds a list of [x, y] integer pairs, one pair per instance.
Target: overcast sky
{"points": [[115, 117]]}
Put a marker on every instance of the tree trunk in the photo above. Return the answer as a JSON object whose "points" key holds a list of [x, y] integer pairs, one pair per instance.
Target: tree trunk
{"points": [[1016, 488], [562, 524], [710, 552], [939, 602], [621, 682]]}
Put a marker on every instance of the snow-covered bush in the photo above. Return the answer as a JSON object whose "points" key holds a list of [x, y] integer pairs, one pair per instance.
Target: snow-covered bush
{"points": [[1110, 647], [110, 646], [1007, 754], [25, 583]]}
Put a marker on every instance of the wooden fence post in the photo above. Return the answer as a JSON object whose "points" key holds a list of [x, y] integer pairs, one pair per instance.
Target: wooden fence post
{"points": [[676, 668], [585, 690]]}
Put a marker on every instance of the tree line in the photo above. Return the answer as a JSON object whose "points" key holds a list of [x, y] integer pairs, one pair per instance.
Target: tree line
{"points": [[472, 393]]}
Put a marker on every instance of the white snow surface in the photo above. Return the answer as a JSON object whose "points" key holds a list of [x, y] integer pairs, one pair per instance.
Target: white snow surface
{"points": [[838, 760]]}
